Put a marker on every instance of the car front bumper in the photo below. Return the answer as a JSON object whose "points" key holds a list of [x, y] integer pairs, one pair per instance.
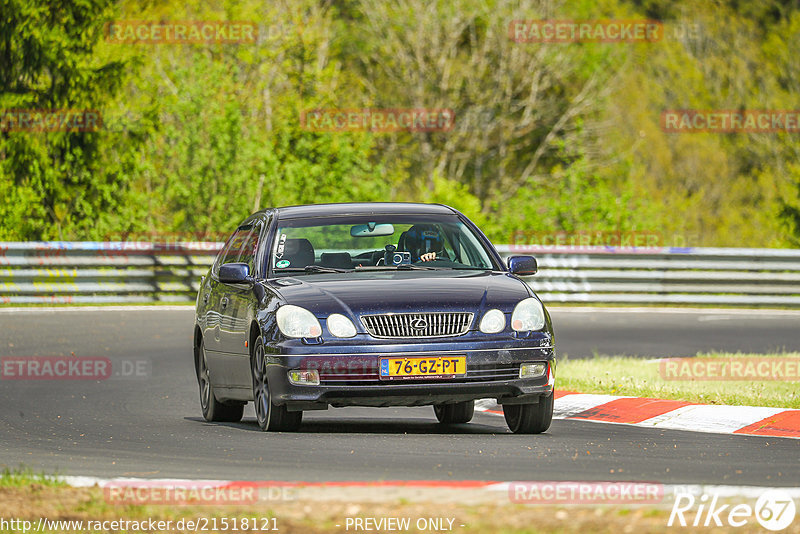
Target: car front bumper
{"points": [[353, 379]]}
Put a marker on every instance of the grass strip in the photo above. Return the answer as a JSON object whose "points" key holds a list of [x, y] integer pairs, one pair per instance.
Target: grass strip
{"points": [[639, 377]]}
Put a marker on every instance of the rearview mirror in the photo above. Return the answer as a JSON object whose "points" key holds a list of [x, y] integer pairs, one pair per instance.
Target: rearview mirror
{"points": [[235, 273], [372, 230], [523, 265]]}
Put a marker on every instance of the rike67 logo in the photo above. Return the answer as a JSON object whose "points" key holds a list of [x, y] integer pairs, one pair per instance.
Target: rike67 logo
{"points": [[774, 510]]}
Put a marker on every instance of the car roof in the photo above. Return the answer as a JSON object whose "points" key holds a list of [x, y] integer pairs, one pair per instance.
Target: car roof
{"points": [[363, 208]]}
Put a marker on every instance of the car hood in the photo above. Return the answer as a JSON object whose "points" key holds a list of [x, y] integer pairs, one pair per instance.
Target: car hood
{"points": [[357, 293]]}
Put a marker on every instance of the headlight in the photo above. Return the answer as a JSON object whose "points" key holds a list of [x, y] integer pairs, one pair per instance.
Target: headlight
{"points": [[340, 326], [528, 315], [294, 321], [493, 322]]}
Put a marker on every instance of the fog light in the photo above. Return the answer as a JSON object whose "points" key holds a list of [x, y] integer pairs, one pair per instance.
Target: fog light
{"points": [[304, 378], [532, 370]]}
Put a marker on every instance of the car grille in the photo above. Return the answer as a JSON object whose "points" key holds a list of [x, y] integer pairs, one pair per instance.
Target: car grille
{"points": [[417, 325]]}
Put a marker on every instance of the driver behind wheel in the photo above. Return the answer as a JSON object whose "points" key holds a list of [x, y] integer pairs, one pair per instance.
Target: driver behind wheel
{"points": [[423, 241]]}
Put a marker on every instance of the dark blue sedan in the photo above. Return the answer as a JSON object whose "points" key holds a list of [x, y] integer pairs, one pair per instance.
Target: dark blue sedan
{"points": [[373, 304]]}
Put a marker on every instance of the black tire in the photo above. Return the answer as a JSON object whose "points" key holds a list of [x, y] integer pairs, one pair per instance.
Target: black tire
{"points": [[530, 418], [453, 414], [213, 409], [270, 417]]}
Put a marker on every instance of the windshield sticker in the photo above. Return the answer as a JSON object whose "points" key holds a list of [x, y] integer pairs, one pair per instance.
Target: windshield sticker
{"points": [[281, 245], [430, 233], [282, 264]]}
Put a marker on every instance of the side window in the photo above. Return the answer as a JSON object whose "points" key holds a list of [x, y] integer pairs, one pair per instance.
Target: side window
{"points": [[222, 253], [249, 248], [233, 248]]}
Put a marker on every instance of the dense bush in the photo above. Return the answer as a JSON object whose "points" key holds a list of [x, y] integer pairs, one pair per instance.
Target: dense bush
{"points": [[547, 137]]}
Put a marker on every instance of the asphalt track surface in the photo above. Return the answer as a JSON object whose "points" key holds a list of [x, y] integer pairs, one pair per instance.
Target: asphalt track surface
{"points": [[151, 426]]}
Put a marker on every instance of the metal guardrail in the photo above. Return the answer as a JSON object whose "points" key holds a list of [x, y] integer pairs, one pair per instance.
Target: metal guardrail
{"points": [[96, 272], [666, 275]]}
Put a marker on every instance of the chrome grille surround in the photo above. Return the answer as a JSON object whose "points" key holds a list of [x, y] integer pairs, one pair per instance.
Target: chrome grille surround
{"points": [[417, 325]]}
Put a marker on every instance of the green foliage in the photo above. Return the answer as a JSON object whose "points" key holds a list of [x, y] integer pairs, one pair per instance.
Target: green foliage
{"points": [[548, 137], [456, 195], [226, 137], [58, 184]]}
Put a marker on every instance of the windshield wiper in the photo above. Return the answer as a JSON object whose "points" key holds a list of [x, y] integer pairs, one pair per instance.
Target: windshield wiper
{"points": [[323, 269], [314, 269], [401, 267], [414, 267]]}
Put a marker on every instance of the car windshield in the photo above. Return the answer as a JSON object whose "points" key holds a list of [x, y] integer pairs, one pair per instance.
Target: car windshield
{"points": [[375, 242]]}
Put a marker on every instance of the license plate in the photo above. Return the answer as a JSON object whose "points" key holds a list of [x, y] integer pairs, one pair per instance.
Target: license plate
{"points": [[430, 367]]}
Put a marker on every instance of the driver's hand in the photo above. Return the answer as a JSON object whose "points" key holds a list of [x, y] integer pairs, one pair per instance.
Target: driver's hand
{"points": [[428, 256]]}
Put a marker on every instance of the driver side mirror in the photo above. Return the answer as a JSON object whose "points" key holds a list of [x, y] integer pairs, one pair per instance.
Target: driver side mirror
{"points": [[235, 273], [522, 265]]}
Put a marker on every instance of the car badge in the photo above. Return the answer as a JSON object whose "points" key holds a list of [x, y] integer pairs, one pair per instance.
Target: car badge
{"points": [[419, 323]]}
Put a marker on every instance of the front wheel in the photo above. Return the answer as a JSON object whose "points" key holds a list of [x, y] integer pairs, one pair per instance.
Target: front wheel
{"points": [[530, 418], [213, 410], [270, 417], [452, 414]]}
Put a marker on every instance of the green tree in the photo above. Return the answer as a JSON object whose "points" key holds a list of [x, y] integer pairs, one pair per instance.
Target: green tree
{"points": [[58, 184], [226, 133]]}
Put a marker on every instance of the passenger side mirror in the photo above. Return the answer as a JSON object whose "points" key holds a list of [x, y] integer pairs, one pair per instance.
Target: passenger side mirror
{"points": [[523, 265], [235, 273]]}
